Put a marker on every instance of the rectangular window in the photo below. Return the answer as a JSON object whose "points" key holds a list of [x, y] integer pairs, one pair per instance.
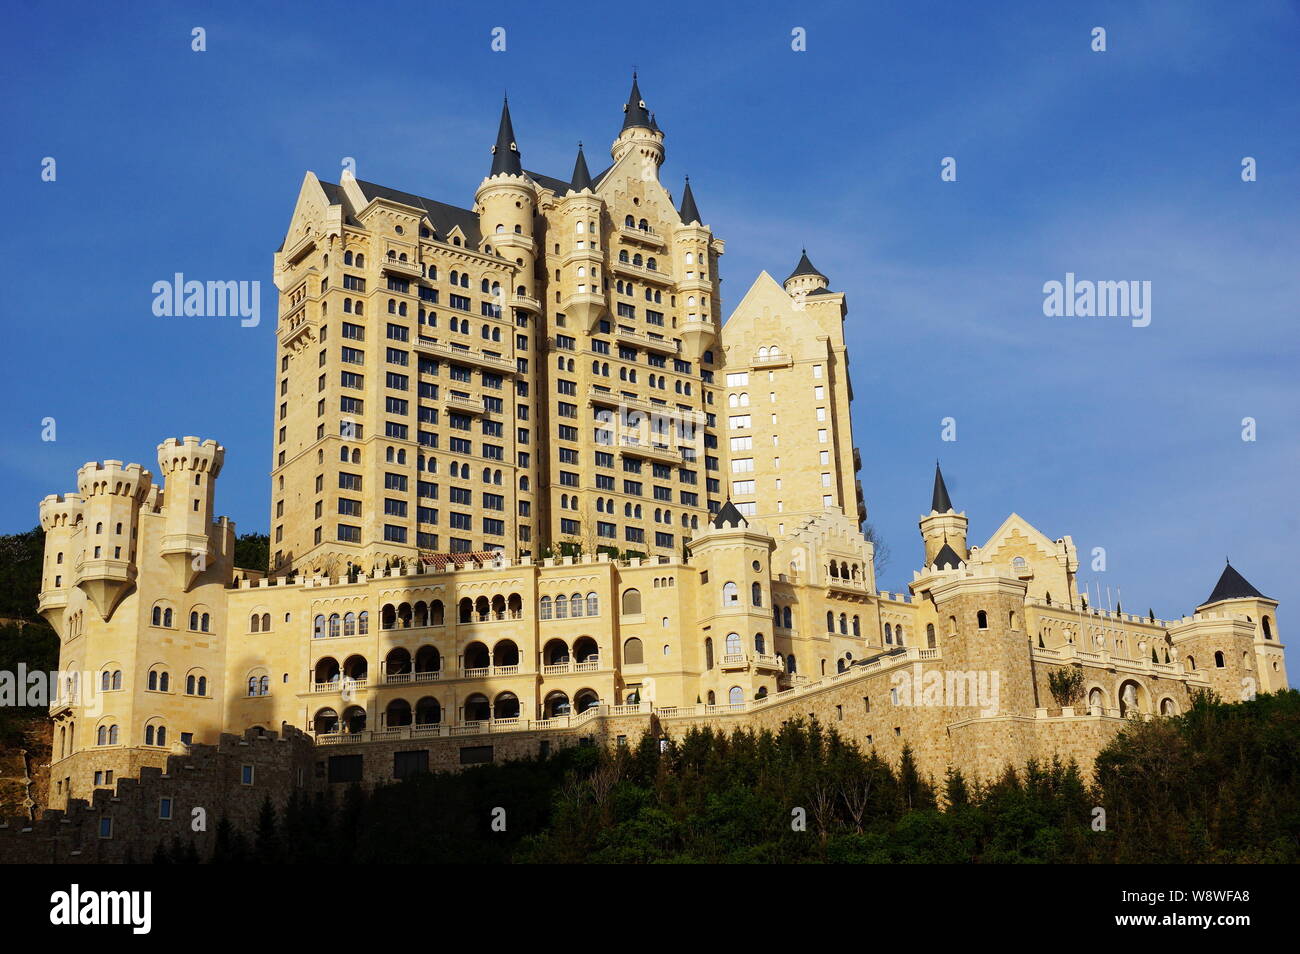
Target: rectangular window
{"points": [[406, 764], [246, 775], [349, 534], [737, 379], [164, 808], [394, 534]]}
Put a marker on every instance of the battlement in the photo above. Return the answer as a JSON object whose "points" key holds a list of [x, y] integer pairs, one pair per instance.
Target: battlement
{"points": [[60, 511], [192, 454], [112, 477]]}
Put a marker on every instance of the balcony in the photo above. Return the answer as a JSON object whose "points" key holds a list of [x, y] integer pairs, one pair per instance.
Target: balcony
{"points": [[592, 299], [526, 303], [407, 678], [465, 404], [667, 454], [396, 266], [647, 237], [769, 663], [779, 360], [465, 355], [662, 345], [734, 661]]}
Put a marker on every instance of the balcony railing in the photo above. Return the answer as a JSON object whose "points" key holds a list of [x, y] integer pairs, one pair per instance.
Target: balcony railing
{"points": [[469, 356]]}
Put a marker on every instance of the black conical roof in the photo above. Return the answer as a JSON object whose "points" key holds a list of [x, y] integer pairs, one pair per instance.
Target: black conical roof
{"points": [[689, 211], [940, 502], [1233, 586], [946, 558], [805, 267], [729, 514], [635, 112], [505, 154], [581, 176]]}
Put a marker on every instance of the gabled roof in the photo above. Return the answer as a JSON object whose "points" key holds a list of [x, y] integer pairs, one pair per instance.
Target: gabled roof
{"points": [[940, 502], [505, 154], [729, 514], [1233, 586], [946, 558], [689, 212]]}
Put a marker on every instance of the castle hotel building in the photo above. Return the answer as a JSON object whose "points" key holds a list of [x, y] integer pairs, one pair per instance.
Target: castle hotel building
{"points": [[525, 480]]}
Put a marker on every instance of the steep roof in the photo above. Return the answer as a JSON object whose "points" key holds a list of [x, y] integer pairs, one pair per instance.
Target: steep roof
{"points": [[946, 558], [729, 514], [805, 267], [689, 211], [443, 216], [1233, 586], [505, 154], [581, 178], [940, 502], [635, 112]]}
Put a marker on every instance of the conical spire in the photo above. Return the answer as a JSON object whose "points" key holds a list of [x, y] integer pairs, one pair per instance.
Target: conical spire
{"points": [[805, 267], [505, 154], [940, 502], [689, 212], [1233, 586], [635, 112], [581, 175]]}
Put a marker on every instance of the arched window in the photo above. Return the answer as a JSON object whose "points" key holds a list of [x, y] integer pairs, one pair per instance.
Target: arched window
{"points": [[857, 626], [631, 602], [545, 608], [708, 652], [633, 653], [982, 619], [889, 634], [167, 618], [735, 696], [153, 680], [562, 607], [157, 615], [730, 594], [786, 618], [756, 594], [1268, 627], [319, 631], [190, 684], [929, 636], [1218, 660], [593, 604], [760, 645], [830, 622], [255, 623], [733, 644]]}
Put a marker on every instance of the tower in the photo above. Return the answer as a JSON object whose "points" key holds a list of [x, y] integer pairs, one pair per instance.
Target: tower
{"points": [[61, 519], [581, 213], [640, 135], [190, 467], [1233, 639], [944, 526], [734, 608], [805, 278], [506, 205], [692, 247], [111, 494]]}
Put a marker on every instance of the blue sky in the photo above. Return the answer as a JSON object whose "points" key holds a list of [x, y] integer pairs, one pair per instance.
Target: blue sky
{"points": [[1122, 165]]}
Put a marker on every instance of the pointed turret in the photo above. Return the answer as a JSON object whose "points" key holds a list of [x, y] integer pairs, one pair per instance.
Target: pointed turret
{"points": [[943, 529], [635, 112], [1233, 586], [689, 212], [805, 278], [639, 134], [940, 501], [947, 558], [581, 175], [505, 154]]}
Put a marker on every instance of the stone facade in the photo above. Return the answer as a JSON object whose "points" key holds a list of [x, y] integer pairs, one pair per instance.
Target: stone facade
{"points": [[636, 520]]}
